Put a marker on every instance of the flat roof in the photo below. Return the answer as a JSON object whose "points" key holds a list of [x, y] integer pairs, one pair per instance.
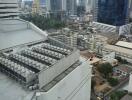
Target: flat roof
{"points": [[11, 90], [118, 49], [124, 44], [125, 68], [17, 31], [14, 38]]}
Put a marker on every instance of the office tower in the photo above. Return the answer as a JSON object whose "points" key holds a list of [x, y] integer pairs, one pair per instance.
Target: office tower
{"points": [[130, 9], [58, 5], [71, 7], [89, 5], [82, 2], [9, 9], [113, 12]]}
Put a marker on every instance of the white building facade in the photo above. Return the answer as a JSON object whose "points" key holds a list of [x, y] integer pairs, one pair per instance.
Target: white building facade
{"points": [[130, 84], [75, 86], [9, 9]]}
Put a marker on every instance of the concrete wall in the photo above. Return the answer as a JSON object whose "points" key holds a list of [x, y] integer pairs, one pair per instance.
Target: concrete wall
{"points": [[38, 30], [48, 75], [130, 84], [75, 86]]}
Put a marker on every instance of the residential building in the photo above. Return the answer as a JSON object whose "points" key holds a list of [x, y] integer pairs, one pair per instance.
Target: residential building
{"points": [[122, 71], [66, 36], [58, 5]]}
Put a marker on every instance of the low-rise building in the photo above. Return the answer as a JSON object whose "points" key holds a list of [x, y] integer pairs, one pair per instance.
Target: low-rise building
{"points": [[122, 71], [66, 36]]}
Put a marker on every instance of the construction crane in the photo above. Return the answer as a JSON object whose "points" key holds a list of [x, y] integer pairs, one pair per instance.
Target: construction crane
{"points": [[36, 6]]}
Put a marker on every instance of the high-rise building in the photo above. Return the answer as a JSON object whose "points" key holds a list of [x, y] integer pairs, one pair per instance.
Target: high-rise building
{"points": [[130, 8], [9, 9], [34, 66], [58, 5], [113, 12], [71, 7], [81, 2], [87, 4], [42, 2]]}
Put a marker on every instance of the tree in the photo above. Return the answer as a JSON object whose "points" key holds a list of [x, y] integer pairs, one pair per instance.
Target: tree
{"points": [[113, 81], [106, 69], [117, 95], [43, 22]]}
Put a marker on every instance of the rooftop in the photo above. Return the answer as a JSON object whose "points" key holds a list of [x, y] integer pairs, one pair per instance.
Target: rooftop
{"points": [[118, 49], [127, 97], [28, 56], [124, 44], [16, 32], [125, 68]]}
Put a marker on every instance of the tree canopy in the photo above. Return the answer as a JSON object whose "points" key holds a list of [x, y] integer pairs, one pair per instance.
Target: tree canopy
{"points": [[106, 69], [44, 22]]}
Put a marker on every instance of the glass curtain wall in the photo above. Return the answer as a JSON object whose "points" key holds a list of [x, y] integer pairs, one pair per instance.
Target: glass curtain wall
{"points": [[113, 12]]}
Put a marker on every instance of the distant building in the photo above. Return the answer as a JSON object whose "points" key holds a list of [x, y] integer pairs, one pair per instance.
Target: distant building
{"points": [[58, 5], [130, 8], [68, 6], [112, 12], [87, 4], [67, 36], [71, 7], [9, 9]]}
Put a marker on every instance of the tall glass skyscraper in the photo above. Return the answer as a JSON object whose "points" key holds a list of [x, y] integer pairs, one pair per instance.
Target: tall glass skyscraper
{"points": [[113, 12]]}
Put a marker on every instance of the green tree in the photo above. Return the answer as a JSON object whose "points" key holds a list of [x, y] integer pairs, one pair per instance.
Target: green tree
{"points": [[113, 81], [106, 69], [117, 95], [43, 22]]}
